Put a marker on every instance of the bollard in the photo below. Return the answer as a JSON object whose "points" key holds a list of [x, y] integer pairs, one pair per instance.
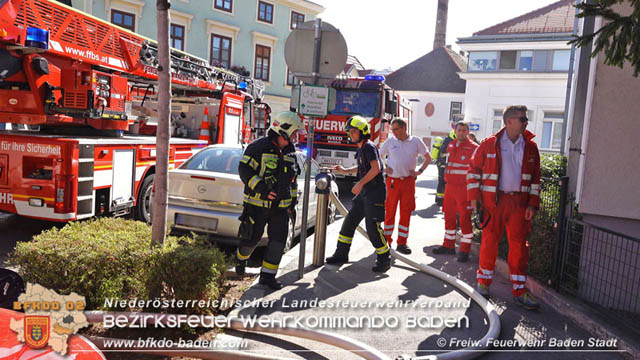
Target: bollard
{"points": [[323, 188]]}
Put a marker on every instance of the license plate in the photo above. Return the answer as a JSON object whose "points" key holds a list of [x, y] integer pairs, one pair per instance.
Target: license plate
{"points": [[197, 222], [332, 161]]}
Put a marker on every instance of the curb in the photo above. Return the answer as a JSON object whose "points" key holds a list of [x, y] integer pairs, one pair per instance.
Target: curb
{"points": [[582, 316]]}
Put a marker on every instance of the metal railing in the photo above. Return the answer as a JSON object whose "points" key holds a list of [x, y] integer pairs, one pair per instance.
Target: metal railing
{"points": [[602, 268]]}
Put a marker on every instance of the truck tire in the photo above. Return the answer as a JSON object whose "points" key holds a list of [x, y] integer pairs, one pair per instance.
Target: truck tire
{"points": [[142, 210]]}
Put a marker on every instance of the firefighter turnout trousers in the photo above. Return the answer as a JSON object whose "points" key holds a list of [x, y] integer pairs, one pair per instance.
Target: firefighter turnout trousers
{"points": [[455, 202], [401, 190], [371, 208], [277, 221], [441, 183], [508, 213]]}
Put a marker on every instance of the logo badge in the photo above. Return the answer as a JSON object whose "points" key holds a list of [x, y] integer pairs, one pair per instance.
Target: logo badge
{"points": [[36, 331], [202, 189], [463, 157]]}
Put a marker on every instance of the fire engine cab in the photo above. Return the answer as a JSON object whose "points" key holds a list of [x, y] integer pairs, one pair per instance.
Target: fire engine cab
{"points": [[78, 112], [369, 97]]}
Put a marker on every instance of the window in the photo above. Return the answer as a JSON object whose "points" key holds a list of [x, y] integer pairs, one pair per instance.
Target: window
{"points": [[224, 5], [508, 60], [296, 18], [220, 50], [357, 102], [526, 61], [552, 131], [456, 109], [176, 35], [265, 12], [291, 80], [123, 19], [561, 60], [483, 60], [263, 58]]}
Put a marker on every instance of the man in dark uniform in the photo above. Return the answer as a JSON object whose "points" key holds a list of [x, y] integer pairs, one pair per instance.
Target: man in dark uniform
{"points": [[268, 170], [370, 197]]}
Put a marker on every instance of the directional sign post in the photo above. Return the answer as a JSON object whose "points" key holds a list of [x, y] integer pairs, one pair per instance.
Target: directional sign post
{"points": [[313, 100]]}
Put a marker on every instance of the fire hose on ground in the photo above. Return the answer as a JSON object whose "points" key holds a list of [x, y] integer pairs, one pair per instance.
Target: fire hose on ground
{"points": [[340, 341]]}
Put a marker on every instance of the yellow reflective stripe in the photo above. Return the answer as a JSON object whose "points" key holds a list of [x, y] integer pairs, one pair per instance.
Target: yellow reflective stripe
{"points": [[285, 203], [294, 193], [256, 201], [289, 159], [242, 257], [382, 249], [344, 239], [255, 179], [250, 161], [269, 265]]}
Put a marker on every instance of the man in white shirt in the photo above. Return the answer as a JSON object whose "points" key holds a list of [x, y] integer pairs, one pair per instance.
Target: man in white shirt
{"points": [[402, 151]]}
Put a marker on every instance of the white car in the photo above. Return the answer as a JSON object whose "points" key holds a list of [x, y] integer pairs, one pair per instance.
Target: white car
{"points": [[205, 195]]}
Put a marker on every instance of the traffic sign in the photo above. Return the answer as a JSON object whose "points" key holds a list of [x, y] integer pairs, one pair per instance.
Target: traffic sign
{"points": [[313, 100], [474, 127], [299, 50]]}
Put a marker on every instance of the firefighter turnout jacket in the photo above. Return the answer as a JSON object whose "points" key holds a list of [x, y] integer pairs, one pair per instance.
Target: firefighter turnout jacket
{"points": [[264, 169], [484, 170]]}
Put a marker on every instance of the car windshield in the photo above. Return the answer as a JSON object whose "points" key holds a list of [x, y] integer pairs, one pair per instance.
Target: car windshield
{"points": [[222, 160], [356, 102]]}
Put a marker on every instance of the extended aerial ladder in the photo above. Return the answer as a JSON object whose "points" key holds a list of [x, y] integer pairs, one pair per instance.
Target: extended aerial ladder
{"points": [[61, 67]]}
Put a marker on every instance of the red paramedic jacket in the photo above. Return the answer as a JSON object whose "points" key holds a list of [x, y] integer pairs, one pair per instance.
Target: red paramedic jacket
{"points": [[484, 170], [458, 159]]}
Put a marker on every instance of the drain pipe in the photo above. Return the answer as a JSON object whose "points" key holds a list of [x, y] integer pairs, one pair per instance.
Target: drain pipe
{"points": [[494, 320]]}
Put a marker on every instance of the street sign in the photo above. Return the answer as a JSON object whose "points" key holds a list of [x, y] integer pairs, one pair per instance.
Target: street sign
{"points": [[299, 48], [313, 100], [474, 127]]}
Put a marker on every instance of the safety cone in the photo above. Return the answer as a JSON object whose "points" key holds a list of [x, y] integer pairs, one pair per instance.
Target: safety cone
{"points": [[204, 127]]}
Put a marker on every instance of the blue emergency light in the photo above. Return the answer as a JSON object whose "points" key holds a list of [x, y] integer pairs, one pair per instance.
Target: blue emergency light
{"points": [[374, 78], [38, 38], [242, 85]]}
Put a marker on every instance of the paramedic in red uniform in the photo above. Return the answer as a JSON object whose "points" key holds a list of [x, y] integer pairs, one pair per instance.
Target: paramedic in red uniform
{"points": [[402, 151], [504, 179], [455, 203]]}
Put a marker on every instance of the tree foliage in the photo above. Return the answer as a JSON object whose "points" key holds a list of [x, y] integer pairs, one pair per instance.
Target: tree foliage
{"points": [[619, 37]]}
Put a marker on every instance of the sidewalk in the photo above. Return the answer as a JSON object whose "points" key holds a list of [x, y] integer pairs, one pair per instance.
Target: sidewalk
{"points": [[411, 328]]}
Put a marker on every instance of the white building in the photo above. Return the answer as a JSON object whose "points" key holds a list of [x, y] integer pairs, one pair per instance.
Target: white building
{"points": [[436, 90], [522, 61]]}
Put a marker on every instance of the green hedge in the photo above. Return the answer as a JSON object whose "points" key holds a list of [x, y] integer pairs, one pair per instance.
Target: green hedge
{"points": [[553, 165], [113, 258]]}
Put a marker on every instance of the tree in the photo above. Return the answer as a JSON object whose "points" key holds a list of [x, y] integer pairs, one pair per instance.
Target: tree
{"points": [[159, 206], [619, 37]]}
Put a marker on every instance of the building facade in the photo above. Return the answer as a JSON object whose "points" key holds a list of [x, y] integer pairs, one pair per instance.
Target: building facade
{"points": [[236, 34], [435, 90], [523, 61]]}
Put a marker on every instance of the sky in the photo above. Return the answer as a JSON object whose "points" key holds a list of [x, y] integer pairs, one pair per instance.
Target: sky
{"points": [[392, 33]]}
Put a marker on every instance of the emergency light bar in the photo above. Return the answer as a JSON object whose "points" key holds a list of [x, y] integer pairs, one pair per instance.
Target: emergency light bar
{"points": [[38, 38], [374, 78]]}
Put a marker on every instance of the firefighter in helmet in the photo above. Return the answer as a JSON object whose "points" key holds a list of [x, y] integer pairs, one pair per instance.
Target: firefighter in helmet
{"points": [[370, 192], [269, 171], [439, 153]]}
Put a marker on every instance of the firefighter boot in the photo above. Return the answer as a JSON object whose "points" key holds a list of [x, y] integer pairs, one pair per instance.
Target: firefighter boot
{"points": [[270, 281], [383, 262], [341, 255], [240, 267]]}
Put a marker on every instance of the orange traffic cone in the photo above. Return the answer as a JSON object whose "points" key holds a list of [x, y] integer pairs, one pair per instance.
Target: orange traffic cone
{"points": [[204, 127]]}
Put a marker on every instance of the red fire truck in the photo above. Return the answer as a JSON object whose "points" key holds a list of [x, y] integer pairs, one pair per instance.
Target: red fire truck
{"points": [[83, 92], [369, 97]]}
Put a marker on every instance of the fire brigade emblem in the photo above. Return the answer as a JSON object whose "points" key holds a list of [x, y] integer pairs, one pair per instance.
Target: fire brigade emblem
{"points": [[36, 331]]}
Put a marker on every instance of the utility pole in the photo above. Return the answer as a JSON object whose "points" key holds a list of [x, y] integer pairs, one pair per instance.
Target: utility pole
{"points": [[159, 206]]}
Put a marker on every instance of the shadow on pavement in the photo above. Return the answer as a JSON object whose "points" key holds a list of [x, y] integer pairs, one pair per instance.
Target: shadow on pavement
{"points": [[428, 213]]}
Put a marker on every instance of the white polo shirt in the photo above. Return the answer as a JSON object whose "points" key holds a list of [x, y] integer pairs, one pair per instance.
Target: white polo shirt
{"points": [[402, 156], [511, 166]]}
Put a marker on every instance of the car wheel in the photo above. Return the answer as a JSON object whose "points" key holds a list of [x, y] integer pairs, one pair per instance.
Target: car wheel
{"points": [[290, 237], [142, 211]]}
